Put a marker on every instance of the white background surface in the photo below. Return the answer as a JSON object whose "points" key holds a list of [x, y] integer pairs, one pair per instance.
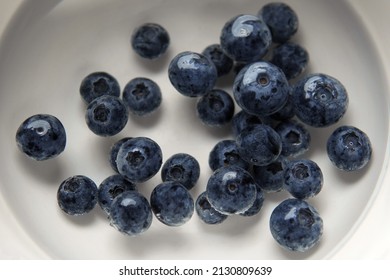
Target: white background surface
{"points": [[65, 46]]}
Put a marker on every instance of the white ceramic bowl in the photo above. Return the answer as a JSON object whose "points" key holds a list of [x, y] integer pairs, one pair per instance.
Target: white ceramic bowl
{"points": [[47, 47]]}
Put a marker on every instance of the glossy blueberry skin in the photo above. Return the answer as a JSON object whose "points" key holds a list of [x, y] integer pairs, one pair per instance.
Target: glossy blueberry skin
{"points": [[222, 62], [77, 195], [182, 168], [215, 108], [142, 96], [225, 153], [114, 152], [319, 100], [257, 204], [259, 145], [150, 40], [139, 159], [110, 188], [303, 178], [295, 138], [130, 213], [242, 120], [261, 88], [231, 190], [349, 148], [171, 203], [270, 178], [245, 38], [41, 137], [106, 115], [98, 84], [206, 212], [281, 20], [192, 74], [296, 225], [291, 58]]}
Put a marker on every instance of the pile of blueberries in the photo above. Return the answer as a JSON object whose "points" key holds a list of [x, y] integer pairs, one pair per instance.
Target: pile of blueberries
{"points": [[270, 133]]}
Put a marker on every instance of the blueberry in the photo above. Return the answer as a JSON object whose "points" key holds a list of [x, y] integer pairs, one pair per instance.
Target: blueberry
{"points": [[182, 168], [77, 195], [222, 62], [231, 190], [242, 120], [171, 203], [41, 137], [245, 38], [131, 213], [215, 108], [261, 88], [319, 100], [139, 159], [291, 58], [296, 225], [110, 188], [106, 115], [303, 178], [295, 138], [142, 96], [114, 152], [98, 84], [259, 145], [225, 153], [270, 177], [257, 204], [206, 212], [349, 148], [281, 20], [150, 40], [192, 74], [286, 112]]}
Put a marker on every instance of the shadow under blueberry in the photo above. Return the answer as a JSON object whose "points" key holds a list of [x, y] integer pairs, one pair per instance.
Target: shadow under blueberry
{"points": [[147, 121], [84, 220], [48, 171]]}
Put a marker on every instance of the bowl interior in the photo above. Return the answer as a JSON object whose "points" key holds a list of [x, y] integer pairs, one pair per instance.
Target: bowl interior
{"points": [[50, 46]]}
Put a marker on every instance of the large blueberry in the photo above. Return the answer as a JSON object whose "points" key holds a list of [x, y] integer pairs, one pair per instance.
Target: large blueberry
{"points": [[215, 108], [261, 88], [242, 120], [225, 153], [130, 213], [296, 225], [98, 84], [172, 204], [222, 62], [106, 115], [139, 159], [303, 178], [319, 100], [77, 195], [270, 178], [206, 212], [259, 145], [349, 148], [142, 96], [294, 136], [281, 20], [192, 74], [291, 58], [41, 137], [231, 190], [110, 188], [245, 38], [150, 40], [182, 168]]}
